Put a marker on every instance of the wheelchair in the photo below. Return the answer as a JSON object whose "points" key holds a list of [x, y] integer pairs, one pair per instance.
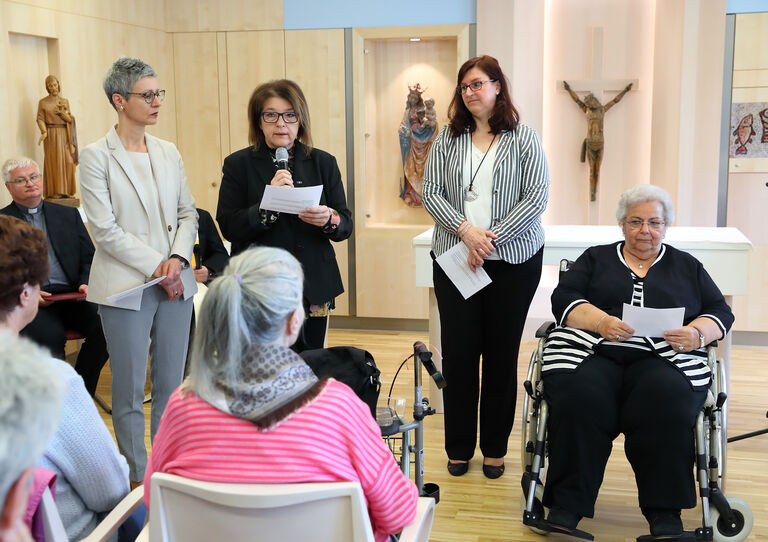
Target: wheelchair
{"points": [[723, 518]]}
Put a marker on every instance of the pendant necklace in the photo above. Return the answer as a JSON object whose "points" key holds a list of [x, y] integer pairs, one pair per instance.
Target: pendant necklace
{"points": [[469, 193]]}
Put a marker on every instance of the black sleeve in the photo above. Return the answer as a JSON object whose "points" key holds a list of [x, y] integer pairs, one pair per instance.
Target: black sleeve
{"points": [[239, 218], [713, 303], [337, 200], [572, 287], [86, 249], [213, 254]]}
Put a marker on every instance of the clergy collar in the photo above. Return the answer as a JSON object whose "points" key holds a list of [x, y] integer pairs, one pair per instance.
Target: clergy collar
{"points": [[29, 210]]}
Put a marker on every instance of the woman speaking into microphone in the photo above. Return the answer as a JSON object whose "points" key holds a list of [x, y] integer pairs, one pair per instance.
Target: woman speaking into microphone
{"points": [[281, 154]]}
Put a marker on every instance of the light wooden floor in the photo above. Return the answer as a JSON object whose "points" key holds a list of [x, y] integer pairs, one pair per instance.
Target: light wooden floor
{"points": [[475, 509]]}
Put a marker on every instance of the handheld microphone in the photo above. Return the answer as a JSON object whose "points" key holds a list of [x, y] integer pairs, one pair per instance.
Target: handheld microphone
{"points": [[196, 253], [425, 356], [281, 156]]}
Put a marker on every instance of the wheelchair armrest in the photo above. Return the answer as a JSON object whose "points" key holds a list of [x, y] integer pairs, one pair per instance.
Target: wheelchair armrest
{"points": [[544, 329]]}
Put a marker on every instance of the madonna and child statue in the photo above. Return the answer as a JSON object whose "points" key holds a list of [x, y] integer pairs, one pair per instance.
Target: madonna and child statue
{"points": [[417, 132]]}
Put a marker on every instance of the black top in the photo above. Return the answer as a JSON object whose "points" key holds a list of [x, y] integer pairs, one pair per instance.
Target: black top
{"points": [[245, 174], [213, 254], [601, 277]]}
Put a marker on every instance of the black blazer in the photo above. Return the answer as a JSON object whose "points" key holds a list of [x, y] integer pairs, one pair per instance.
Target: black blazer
{"points": [[68, 238], [245, 174], [213, 254]]}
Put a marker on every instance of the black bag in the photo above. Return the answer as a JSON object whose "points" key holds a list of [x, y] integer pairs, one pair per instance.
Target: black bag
{"points": [[352, 366]]}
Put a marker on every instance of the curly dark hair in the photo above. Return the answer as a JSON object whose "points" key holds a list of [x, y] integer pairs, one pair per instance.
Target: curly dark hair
{"points": [[23, 260], [504, 117], [288, 91]]}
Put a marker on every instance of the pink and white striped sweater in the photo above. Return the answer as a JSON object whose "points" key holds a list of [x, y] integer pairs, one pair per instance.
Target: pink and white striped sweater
{"points": [[332, 439]]}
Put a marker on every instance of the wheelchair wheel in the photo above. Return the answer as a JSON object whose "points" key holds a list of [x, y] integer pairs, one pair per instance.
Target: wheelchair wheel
{"points": [[536, 505], [737, 530]]}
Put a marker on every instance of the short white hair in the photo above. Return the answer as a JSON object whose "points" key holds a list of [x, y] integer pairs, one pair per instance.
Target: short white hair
{"points": [[642, 193], [247, 305], [17, 162], [31, 396]]}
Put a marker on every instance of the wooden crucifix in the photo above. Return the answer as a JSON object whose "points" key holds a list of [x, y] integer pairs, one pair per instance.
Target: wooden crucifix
{"points": [[593, 146]]}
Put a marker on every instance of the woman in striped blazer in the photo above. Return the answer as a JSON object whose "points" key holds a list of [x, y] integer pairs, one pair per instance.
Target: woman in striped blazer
{"points": [[600, 379], [486, 185]]}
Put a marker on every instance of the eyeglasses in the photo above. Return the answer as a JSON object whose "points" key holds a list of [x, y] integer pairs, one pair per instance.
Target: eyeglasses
{"points": [[637, 224], [33, 178], [150, 95], [289, 117], [474, 85]]}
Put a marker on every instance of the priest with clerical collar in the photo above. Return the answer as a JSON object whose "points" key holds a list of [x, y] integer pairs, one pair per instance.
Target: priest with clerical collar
{"points": [[70, 252]]}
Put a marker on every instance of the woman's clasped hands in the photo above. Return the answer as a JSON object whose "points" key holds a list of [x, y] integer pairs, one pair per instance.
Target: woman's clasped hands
{"points": [[480, 243]]}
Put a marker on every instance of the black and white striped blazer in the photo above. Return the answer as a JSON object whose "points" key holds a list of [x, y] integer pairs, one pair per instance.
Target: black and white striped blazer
{"points": [[520, 191]]}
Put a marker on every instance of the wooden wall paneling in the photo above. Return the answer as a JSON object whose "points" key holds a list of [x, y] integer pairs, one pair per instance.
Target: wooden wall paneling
{"points": [[252, 58], [391, 66], [145, 13], [223, 15], [29, 59], [384, 63], [87, 45], [386, 271], [221, 47], [198, 121], [315, 60]]}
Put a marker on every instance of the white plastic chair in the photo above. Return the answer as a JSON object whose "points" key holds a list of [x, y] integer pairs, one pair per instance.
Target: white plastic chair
{"points": [[54, 528], [189, 510]]}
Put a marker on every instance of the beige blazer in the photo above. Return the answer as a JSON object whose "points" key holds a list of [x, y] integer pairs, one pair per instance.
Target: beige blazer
{"points": [[117, 210]]}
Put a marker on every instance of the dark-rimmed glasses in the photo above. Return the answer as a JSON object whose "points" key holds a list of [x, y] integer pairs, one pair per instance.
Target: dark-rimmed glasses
{"points": [[33, 178], [270, 117], [637, 224], [474, 85], [150, 95]]}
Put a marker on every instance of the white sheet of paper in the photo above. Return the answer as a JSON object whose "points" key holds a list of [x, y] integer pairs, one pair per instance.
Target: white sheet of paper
{"points": [[649, 322], [455, 266], [290, 200], [129, 296]]}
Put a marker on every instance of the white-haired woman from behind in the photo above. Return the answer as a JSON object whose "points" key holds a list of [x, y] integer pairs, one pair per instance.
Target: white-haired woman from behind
{"points": [[248, 394]]}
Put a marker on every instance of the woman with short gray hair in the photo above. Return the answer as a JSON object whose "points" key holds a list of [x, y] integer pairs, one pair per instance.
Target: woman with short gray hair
{"points": [[643, 193], [253, 412], [143, 221]]}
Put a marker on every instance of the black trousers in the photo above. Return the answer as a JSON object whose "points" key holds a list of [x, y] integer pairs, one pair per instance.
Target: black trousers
{"points": [[312, 334], [49, 328], [620, 390], [489, 325]]}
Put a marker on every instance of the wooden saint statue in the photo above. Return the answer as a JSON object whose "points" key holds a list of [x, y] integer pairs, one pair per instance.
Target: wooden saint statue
{"points": [[59, 138], [593, 145], [417, 132]]}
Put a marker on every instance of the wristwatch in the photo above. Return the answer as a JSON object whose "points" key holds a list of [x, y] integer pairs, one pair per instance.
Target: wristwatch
{"points": [[329, 226], [702, 344]]}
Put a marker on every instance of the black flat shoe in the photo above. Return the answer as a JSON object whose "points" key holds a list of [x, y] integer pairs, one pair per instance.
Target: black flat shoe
{"points": [[664, 522], [560, 517], [458, 469], [493, 471]]}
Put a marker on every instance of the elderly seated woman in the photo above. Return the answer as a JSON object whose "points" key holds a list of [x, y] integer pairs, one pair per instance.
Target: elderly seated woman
{"points": [[92, 476], [251, 408], [601, 380]]}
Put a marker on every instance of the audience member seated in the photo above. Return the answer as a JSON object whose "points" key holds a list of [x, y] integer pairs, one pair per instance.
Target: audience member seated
{"points": [[212, 252], [26, 424], [92, 476], [600, 379], [252, 411], [70, 252]]}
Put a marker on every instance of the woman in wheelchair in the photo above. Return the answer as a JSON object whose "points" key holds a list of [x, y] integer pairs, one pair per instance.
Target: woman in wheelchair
{"points": [[601, 380], [252, 411]]}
